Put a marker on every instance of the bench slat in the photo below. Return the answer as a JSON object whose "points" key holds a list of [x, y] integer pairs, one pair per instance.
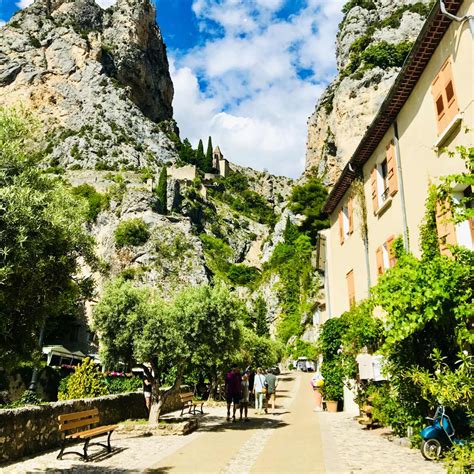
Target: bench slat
{"points": [[186, 396], [78, 424], [92, 432], [78, 415]]}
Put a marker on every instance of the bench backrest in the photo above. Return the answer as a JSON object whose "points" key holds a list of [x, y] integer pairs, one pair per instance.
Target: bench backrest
{"points": [[186, 397], [79, 419]]}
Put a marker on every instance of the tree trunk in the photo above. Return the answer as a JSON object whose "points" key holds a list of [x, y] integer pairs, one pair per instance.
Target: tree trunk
{"points": [[213, 387]]}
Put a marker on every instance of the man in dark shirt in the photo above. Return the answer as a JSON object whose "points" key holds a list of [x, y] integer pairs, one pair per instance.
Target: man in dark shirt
{"points": [[233, 385]]}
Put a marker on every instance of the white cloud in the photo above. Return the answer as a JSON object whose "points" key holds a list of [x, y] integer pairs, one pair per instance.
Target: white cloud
{"points": [[2, 22], [255, 104], [24, 3]]}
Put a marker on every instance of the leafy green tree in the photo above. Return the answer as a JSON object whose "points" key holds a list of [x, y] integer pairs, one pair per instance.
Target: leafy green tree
{"points": [[42, 238], [186, 152], [308, 199], [259, 317], [208, 160], [199, 326], [200, 156], [161, 191]]}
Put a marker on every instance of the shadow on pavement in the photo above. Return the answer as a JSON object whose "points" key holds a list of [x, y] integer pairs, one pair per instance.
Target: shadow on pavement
{"points": [[218, 424]]}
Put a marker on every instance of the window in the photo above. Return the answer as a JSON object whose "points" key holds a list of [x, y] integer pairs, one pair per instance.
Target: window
{"points": [[465, 229], [444, 96], [385, 258], [384, 178], [346, 221], [350, 288]]}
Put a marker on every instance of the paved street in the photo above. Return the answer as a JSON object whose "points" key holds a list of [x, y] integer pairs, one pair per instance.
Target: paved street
{"points": [[293, 440]]}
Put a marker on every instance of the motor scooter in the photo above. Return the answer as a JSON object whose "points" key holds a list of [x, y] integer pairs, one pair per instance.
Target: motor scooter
{"points": [[438, 436]]}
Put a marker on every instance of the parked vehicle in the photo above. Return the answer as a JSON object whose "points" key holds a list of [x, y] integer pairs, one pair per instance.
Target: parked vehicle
{"points": [[301, 364], [275, 370], [438, 436]]}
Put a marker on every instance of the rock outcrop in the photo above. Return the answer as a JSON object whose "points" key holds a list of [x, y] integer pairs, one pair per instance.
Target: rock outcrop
{"points": [[349, 104], [98, 79]]}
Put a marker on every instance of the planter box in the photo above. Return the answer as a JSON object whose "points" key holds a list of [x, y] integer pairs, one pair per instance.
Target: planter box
{"points": [[331, 406]]}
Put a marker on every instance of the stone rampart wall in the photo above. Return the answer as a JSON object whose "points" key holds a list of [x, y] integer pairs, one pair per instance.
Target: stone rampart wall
{"points": [[29, 430]]}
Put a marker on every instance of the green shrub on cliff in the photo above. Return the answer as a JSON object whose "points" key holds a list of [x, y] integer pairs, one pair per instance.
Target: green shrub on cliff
{"points": [[131, 232]]}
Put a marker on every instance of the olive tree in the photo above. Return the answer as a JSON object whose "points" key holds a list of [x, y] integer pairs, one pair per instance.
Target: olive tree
{"points": [[137, 326]]}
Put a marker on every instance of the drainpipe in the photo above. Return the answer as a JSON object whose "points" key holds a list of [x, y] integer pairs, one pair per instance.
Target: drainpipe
{"points": [[469, 18], [402, 188]]}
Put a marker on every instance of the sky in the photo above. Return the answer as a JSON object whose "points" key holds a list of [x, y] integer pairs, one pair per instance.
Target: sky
{"points": [[246, 72]]}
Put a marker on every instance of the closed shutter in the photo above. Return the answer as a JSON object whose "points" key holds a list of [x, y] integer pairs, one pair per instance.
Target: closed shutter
{"points": [[350, 211], [445, 227], [341, 227], [351, 287], [391, 256], [444, 96], [379, 260], [373, 183], [391, 168]]}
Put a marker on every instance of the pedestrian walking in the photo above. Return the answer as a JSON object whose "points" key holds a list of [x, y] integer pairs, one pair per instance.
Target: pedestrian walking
{"points": [[147, 392], [233, 390], [317, 382], [259, 389], [251, 375], [272, 383], [244, 401]]}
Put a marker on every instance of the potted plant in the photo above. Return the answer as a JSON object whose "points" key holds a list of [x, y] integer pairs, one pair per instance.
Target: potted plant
{"points": [[333, 383]]}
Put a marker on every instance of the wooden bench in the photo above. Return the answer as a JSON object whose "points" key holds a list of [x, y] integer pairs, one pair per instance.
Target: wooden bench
{"points": [[80, 423], [188, 402]]}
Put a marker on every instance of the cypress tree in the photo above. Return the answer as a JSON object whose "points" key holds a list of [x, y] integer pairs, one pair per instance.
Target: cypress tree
{"points": [[200, 156], [208, 161], [161, 191]]}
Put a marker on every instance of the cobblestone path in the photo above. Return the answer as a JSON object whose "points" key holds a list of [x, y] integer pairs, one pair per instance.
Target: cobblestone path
{"points": [[294, 440]]}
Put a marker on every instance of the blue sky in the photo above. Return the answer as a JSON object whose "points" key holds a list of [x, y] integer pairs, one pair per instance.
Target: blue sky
{"points": [[247, 72]]}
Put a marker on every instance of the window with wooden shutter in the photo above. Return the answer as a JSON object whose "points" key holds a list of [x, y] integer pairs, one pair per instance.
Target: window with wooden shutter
{"points": [[391, 168], [350, 207], [379, 260], [444, 96], [373, 183], [445, 227], [351, 287], [341, 227], [391, 254]]}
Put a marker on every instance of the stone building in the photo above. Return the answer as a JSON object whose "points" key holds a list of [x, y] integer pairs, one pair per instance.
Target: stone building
{"points": [[219, 163], [428, 111]]}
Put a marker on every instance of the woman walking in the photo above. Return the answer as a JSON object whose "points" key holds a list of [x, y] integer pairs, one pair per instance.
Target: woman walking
{"points": [[260, 390], [244, 401]]}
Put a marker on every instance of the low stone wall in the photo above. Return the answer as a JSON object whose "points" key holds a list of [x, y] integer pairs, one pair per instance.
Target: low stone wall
{"points": [[29, 430]]}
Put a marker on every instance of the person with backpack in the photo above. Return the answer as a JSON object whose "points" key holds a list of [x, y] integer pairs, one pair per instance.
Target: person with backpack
{"points": [[271, 382]]}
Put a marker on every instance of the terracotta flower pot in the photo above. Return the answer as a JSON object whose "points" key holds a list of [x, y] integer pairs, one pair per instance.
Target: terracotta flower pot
{"points": [[331, 406]]}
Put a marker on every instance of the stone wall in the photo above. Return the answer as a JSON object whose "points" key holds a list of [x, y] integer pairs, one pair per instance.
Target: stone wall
{"points": [[29, 430]]}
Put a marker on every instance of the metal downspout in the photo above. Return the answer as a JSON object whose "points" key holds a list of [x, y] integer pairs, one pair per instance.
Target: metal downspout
{"points": [[406, 240]]}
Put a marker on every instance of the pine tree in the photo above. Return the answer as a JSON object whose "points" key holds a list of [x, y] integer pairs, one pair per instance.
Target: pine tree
{"points": [[186, 152], [208, 160], [161, 192], [200, 156]]}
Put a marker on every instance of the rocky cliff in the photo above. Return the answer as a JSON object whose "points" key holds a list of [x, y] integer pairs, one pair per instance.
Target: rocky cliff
{"points": [[98, 79], [373, 40], [98, 82]]}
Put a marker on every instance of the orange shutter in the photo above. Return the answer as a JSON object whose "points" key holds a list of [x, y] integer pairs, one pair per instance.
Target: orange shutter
{"points": [[373, 182], [379, 260], [391, 255], [350, 287], [445, 227], [341, 227], [391, 168], [350, 211], [444, 96]]}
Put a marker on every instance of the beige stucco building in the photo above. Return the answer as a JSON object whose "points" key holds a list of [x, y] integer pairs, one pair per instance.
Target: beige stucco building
{"points": [[428, 112]]}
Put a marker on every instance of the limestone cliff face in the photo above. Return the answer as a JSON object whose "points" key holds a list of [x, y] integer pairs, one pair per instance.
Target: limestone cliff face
{"points": [[98, 79], [349, 104]]}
